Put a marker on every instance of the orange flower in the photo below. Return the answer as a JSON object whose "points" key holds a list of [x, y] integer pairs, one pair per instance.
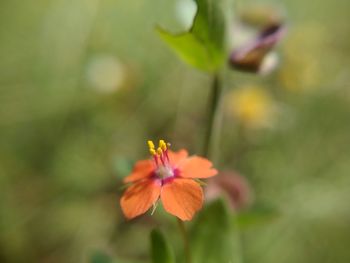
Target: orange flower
{"points": [[169, 176]]}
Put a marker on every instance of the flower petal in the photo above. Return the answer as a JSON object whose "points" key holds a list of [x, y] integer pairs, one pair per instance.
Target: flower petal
{"points": [[197, 167], [176, 158], [182, 198], [139, 197], [141, 170]]}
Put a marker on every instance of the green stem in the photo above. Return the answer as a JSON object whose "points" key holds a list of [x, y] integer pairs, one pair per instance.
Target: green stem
{"points": [[184, 234], [213, 125]]}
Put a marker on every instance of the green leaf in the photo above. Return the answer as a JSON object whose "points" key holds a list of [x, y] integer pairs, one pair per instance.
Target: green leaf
{"points": [[213, 237], [188, 48], [160, 250], [209, 27], [204, 45], [258, 214]]}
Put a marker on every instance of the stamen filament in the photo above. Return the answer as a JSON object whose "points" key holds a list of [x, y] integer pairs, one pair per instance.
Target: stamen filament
{"points": [[162, 160], [155, 157], [166, 155]]}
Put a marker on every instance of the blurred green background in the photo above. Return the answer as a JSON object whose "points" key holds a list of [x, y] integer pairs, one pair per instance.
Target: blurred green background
{"points": [[84, 84]]}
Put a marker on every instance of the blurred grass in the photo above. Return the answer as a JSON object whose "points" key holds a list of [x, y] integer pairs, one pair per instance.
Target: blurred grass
{"points": [[61, 137]]}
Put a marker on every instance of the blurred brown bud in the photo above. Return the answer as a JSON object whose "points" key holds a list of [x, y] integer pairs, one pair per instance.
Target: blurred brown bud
{"points": [[255, 55], [232, 186]]}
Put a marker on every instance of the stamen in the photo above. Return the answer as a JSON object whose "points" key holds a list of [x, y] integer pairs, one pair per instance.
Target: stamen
{"points": [[162, 145], [166, 155], [153, 152], [155, 157], [150, 144], [166, 152], [151, 147], [161, 155]]}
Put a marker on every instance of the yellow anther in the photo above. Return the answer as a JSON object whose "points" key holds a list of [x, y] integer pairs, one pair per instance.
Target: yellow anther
{"points": [[150, 145], [152, 151], [159, 151], [162, 145]]}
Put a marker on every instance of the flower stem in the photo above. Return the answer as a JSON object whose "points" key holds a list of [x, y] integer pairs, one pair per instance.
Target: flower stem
{"points": [[184, 234], [214, 121]]}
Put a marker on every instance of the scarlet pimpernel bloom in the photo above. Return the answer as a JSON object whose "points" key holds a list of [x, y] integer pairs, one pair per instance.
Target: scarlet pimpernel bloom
{"points": [[168, 176]]}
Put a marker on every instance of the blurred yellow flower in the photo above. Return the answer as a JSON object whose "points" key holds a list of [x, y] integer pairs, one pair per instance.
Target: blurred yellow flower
{"points": [[252, 106]]}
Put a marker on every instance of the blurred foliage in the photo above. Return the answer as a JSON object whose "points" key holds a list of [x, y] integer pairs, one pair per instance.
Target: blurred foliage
{"points": [[259, 214], [213, 237], [100, 257], [161, 251], [68, 135]]}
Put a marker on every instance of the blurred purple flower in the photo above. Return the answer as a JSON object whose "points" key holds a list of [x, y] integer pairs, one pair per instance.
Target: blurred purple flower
{"points": [[256, 56], [232, 186]]}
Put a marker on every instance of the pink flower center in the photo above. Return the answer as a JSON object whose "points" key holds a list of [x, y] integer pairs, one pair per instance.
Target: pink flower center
{"points": [[165, 172]]}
